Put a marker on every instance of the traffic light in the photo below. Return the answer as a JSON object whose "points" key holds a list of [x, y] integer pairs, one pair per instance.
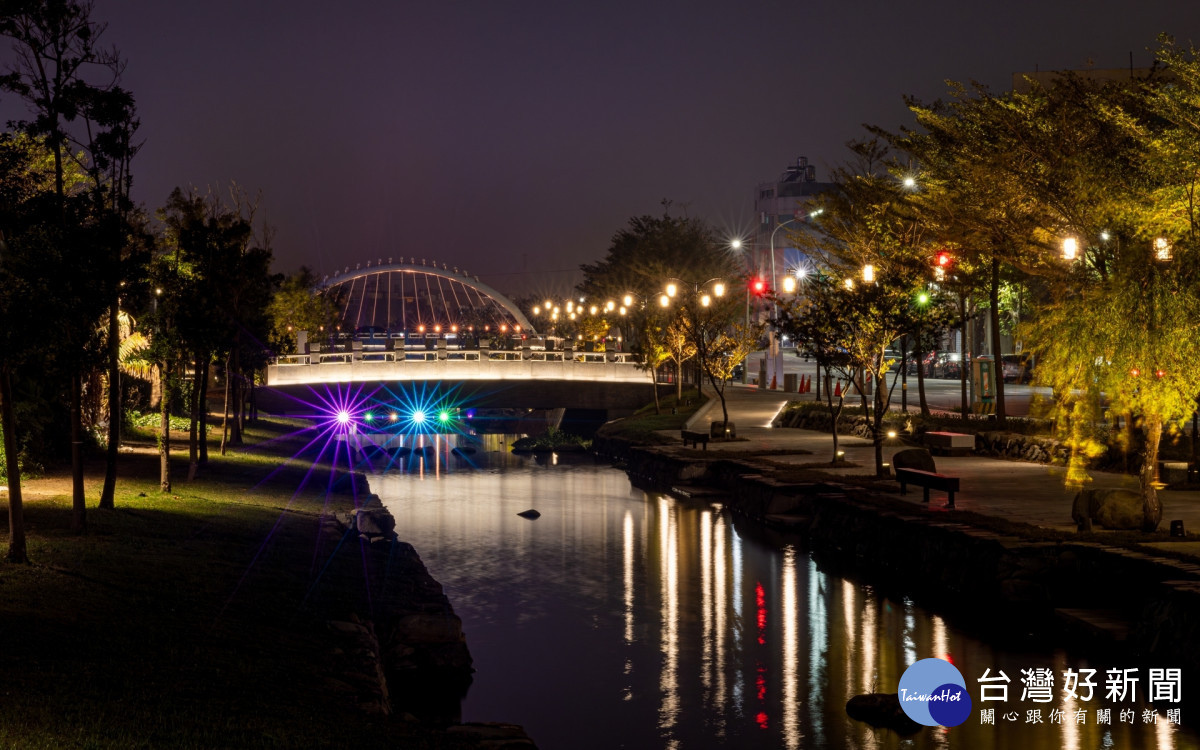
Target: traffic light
{"points": [[942, 263], [758, 286]]}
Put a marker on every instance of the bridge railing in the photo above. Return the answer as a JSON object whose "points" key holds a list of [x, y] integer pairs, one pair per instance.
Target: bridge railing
{"points": [[414, 355]]}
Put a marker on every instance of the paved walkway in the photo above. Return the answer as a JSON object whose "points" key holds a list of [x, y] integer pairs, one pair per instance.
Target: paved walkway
{"points": [[1017, 490]]}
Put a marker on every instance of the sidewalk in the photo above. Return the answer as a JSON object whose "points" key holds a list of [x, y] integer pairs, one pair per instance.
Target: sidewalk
{"points": [[1016, 490]]}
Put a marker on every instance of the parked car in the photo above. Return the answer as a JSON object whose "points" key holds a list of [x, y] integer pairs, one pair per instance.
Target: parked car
{"points": [[926, 362], [937, 365], [1017, 368]]}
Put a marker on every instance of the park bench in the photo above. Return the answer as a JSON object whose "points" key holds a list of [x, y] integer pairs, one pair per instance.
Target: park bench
{"points": [[695, 438], [950, 443], [927, 480]]}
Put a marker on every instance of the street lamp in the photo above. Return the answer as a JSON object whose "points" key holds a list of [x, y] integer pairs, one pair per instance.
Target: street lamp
{"points": [[1162, 248], [1070, 248], [775, 352]]}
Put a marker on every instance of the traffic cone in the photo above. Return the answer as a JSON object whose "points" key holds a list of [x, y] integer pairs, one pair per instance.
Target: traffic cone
{"points": [[803, 383], [837, 388], [808, 384], [773, 382]]}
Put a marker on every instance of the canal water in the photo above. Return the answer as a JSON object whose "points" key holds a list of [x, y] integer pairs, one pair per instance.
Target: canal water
{"points": [[628, 619]]}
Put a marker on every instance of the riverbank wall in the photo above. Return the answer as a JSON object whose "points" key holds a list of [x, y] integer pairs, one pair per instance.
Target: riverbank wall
{"points": [[1132, 602], [400, 650]]}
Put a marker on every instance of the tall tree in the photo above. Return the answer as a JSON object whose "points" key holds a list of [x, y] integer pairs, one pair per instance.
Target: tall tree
{"points": [[69, 83], [27, 244]]}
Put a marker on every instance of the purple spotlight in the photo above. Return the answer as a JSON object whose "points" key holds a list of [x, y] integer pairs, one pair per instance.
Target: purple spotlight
{"points": [[343, 417]]}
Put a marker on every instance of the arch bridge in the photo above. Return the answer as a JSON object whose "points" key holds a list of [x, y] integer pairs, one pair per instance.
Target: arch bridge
{"points": [[420, 322], [410, 295]]}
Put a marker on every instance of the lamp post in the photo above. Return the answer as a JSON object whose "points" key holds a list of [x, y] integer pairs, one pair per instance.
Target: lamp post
{"points": [[774, 350]]}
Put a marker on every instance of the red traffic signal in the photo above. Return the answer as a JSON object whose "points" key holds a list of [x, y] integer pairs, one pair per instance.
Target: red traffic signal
{"points": [[944, 259], [758, 286]]}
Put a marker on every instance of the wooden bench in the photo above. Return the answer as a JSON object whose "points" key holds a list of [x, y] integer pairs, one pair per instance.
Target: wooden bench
{"points": [[927, 480], [695, 438]]}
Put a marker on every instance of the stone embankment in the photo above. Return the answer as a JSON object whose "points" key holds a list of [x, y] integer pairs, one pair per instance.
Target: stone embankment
{"points": [[406, 653], [990, 443], [1098, 591]]}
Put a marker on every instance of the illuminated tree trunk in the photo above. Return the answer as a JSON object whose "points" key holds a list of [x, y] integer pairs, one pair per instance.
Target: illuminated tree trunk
{"points": [[997, 368], [654, 385], [1151, 506], [964, 361], [225, 413], [16, 516], [877, 424], [164, 436], [115, 411], [920, 357], [78, 500], [204, 367], [193, 421]]}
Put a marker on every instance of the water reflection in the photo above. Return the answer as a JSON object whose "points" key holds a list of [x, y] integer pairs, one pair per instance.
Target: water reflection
{"points": [[626, 619]]}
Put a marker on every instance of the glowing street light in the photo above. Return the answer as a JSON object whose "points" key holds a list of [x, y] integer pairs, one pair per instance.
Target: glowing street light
{"points": [[719, 289], [705, 300], [1162, 248], [1070, 248], [672, 290], [868, 273], [789, 284]]}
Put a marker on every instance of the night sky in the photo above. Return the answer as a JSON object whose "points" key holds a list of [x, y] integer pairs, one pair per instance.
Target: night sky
{"points": [[513, 137]]}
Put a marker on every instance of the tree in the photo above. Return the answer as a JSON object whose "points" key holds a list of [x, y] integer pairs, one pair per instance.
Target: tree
{"points": [[875, 283], [679, 348], [644, 256], [652, 250], [69, 84], [968, 160], [707, 322], [24, 288], [815, 318], [654, 355], [297, 306], [225, 287], [1121, 325]]}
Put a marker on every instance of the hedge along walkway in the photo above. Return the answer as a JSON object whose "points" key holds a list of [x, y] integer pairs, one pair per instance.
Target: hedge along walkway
{"points": [[1008, 489], [194, 619]]}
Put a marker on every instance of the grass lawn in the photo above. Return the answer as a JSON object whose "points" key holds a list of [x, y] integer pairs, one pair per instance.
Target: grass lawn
{"points": [[642, 428], [193, 619]]}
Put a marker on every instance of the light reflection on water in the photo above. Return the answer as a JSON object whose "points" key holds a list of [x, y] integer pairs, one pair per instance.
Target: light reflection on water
{"points": [[627, 619]]}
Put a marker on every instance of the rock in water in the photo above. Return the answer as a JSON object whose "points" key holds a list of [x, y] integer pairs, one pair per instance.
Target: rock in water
{"points": [[530, 514], [881, 710]]}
